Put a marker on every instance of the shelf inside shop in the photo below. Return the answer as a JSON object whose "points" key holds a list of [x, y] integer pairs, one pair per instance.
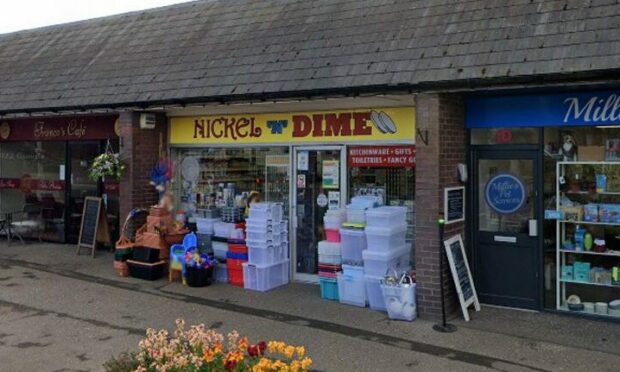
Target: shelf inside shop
{"points": [[589, 283], [590, 223], [599, 315], [607, 253]]}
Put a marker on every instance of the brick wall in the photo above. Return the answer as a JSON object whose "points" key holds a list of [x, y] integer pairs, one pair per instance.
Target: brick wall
{"points": [[141, 149], [441, 118]]}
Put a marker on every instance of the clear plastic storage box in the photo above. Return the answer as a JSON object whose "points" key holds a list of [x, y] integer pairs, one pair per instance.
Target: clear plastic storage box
{"points": [[219, 249], [265, 277], [266, 255], [356, 214], [326, 247], [383, 239], [205, 225], [351, 290], [330, 259], [377, 263], [374, 292], [386, 216], [352, 243], [266, 211]]}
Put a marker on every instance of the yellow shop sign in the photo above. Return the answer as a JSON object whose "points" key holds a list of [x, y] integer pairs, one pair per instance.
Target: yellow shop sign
{"points": [[370, 125]]}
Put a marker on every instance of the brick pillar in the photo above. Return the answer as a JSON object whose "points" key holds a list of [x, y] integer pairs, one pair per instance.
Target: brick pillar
{"points": [[140, 149], [440, 119]]}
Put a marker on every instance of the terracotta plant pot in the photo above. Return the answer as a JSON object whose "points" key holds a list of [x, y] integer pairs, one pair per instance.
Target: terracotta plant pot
{"points": [[121, 268]]}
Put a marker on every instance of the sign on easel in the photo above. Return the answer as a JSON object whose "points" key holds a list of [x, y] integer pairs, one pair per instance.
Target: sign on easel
{"points": [[94, 226], [455, 251]]}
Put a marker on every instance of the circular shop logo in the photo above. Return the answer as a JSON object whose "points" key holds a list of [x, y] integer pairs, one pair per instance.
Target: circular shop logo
{"points": [[5, 130], [505, 193]]}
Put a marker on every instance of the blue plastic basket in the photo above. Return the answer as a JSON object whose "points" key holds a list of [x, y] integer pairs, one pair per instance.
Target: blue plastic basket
{"points": [[329, 289]]}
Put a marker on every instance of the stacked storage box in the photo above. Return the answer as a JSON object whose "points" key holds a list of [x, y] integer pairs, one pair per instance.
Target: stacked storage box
{"points": [[329, 267], [236, 256], [386, 231], [267, 241]]}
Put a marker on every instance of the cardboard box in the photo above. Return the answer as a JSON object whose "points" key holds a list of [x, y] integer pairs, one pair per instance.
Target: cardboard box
{"points": [[591, 153]]}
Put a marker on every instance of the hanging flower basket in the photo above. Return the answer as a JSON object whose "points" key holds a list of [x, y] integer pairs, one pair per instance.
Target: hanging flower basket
{"points": [[108, 164]]}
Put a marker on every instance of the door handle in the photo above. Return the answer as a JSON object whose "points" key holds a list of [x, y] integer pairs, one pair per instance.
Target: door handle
{"points": [[533, 227]]}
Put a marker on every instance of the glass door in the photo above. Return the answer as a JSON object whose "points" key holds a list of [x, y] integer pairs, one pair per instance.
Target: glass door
{"points": [[319, 184], [81, 156], [506, 239]]}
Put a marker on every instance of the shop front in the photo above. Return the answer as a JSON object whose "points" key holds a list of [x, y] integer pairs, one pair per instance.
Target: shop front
{"points": [[308, 161], [545, 200], [44, 179]]}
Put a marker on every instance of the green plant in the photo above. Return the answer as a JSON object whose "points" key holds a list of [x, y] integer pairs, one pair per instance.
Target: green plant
{"points": [[124, 362], [107, 164]]}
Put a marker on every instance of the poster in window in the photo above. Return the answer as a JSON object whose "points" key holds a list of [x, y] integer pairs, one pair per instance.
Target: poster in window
{"points": [[331, 174]]}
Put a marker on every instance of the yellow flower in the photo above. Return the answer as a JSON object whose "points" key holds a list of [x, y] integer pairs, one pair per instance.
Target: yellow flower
{"points": [[289, 351], [306, 363], [243, 343], [301, 351], [209, 355], [217, 348]]}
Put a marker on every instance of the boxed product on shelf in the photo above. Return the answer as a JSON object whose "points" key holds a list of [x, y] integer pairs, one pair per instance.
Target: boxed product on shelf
{"points": [[567, 272], [591, 212], [351, 289], [382, 239], [572, 213], [609, 213], [581, 271], [378, 263], [265, 277], [352, 243], [386, 216], [329, 288]]}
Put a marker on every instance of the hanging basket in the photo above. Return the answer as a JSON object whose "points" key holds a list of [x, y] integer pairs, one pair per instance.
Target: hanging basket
{"points": [[107, 164]]}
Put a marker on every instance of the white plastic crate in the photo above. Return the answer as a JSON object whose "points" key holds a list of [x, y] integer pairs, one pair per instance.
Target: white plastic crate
{"points": [[352, 243], [266, 211], [205, 225], [383, 239], [329, 248], [263, 256], [374, 292], [219, 249], [377, 263], [351, 290], [386, 216], [251, 234], [265, 277], [330, 259], [356, 215]]}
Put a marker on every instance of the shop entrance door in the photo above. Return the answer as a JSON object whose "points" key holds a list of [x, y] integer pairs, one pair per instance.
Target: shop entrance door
{"points": [[81, 156], [319, 183], [506, 222]]}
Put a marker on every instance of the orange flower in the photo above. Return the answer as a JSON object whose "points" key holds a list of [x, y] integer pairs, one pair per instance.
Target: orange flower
{"points": [[217, 348], [243, 343], [209, 355]]}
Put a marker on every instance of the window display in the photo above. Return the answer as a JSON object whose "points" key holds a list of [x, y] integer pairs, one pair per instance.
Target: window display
{"points": [[583, 198]]}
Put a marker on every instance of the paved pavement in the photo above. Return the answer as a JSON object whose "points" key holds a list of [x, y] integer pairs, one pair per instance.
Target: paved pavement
{"points": [[59, 312]]}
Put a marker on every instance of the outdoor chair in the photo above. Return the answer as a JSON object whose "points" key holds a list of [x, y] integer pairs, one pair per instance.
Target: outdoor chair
{"points": [[28, 222]]}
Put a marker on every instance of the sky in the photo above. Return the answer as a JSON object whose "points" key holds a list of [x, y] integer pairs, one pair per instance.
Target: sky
{"points": [[18, 15]]}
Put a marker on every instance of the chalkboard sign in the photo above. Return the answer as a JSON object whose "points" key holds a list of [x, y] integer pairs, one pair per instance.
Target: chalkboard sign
{"points": [[94, 225], [454, 204], [455, 251]]}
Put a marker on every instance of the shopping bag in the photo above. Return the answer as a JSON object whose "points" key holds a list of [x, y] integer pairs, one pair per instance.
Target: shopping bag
{"points": [[399, 298]]}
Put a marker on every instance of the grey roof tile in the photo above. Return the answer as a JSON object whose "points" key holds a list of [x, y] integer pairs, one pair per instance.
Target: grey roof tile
{"points": [[212, 48]]}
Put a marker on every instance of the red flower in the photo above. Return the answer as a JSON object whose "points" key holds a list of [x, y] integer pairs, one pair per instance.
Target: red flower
{"points": [[262, 346], [253, 350], [230, 365]]}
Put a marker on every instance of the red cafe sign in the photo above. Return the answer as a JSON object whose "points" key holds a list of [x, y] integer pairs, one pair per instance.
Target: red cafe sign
{"points": [[27, 184], [60, 128], [381, 156]]}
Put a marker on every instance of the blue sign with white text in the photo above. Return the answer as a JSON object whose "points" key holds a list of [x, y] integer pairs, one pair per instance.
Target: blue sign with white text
{"points": [[505, 193], [566, 109]]}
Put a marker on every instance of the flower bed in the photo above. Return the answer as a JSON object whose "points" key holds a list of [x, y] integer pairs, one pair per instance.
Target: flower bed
{"points": [[201, 349]]}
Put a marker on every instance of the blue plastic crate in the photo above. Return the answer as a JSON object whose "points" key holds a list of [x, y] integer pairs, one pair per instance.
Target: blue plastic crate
{"points": [[329, 289]]}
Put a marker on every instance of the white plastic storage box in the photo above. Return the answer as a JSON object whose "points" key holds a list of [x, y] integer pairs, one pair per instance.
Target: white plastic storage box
{"points": [[374, 292], [386, 216], [266, 255], [326, 247], [223, 229], [383, 239], [351, 290], [221, 273], [357, 271], [265, 277], [260, 235], [266, 211], [333, 221], [377, 263], [205, 225], [330, 259], [284, 250], [219, 249], [352, 243], [365, 201], [356, 214]]}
